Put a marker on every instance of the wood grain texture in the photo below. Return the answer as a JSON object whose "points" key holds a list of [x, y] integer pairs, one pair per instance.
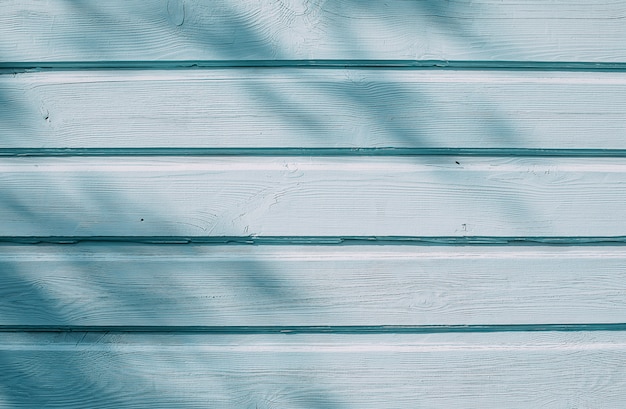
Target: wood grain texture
{"points": [[557, 370], [197, 285], [562, 30], [304, 108], [546, 83], [287, 196]]}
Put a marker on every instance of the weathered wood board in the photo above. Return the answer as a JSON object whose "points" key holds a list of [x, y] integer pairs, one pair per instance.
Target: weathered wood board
{"points": [[122, 284], [513, 370], [306, 196], [305, 108], [562, 30]]}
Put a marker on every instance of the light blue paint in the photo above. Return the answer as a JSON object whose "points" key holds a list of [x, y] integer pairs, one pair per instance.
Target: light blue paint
{"points": [[312, 204], [563, 30], [305, 108]]}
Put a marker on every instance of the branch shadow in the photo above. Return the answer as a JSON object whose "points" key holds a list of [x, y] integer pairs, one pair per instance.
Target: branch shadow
{"points": [[32, 377]]}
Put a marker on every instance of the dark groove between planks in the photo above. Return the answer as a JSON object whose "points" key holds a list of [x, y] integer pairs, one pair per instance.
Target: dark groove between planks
{"points": [[306, 152], [16, 67], [328, 240], [360, 329]]}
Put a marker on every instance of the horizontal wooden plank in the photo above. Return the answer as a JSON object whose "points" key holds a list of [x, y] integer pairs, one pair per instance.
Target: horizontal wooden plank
{"points": [[562, 30], [559, 370], [304, 108], [287, 196], [196, 285]]}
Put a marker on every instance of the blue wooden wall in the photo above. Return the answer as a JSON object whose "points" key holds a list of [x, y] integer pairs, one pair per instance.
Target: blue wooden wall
{"points": [[312, 204]]}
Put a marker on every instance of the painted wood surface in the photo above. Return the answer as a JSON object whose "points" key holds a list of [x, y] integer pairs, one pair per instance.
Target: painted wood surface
{"points": [[305, 108], [213, 285], [557, 370], [182, 121], [300, 196], [561, 30]]}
